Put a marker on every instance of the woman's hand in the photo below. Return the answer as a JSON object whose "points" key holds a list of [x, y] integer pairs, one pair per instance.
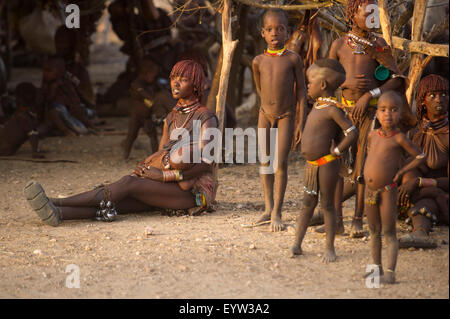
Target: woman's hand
{"points": [[361, 106], [139, 169], [398, 177], [359, 82], [405, 190], [153, 173]]}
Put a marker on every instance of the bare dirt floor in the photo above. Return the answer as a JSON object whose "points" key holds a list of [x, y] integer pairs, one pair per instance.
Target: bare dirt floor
{"points": [[208, 256]]}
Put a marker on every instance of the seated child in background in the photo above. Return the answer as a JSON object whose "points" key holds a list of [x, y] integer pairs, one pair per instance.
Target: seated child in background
{"points": [[382, 173], [318, 147], [76, 72], [280, 84], [142, 103], [22, 124], [63, 105]]}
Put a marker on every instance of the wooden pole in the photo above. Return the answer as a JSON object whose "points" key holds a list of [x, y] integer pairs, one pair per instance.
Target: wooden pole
{"points": [[228, 48], [240, 33], [211, 102], [385, 22], [294, 7], [415, 67], [420, 47]]}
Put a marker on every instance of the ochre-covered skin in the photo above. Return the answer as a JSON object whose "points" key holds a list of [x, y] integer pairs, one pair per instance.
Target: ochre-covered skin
{"points": [[359, 81], [426, 188], [145, 188], [382, 172], [321, 135], [275, 78]]}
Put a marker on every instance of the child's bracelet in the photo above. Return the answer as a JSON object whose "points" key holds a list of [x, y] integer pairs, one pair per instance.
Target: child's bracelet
{"points": [[337, 151], [347, 131], [420, 156]]}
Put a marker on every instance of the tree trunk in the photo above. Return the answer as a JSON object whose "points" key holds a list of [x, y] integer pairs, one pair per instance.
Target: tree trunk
{"points": [[228, 48], [211, 102], [415, 69]]}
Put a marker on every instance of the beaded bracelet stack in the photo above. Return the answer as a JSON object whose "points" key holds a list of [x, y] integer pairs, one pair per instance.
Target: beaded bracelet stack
{"points": [[427, 182], [172, 176]]}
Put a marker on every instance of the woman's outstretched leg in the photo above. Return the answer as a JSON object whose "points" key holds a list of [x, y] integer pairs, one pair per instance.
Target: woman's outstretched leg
{"points": [[147, 192], [127, 205]]}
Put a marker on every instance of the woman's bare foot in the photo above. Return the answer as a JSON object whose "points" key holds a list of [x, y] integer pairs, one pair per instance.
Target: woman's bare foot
{"points": [[357, 228], [329, 256], [38, 200], [417, 239]]}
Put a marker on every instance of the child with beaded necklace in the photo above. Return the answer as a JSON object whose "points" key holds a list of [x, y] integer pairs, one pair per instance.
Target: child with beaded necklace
{"points": [[281, 86], [318, 147], [370, 70], [382, 173]]}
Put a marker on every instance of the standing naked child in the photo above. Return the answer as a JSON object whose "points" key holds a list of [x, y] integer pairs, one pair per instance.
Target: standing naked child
{"points": [[22, 124], [276, 73], [371, 70], [381, 171], [318, 148], [142, 102]]}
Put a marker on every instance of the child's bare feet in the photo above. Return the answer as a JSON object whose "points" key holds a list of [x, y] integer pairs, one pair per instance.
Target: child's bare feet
{"points": [[317, 219], [388, 277], [276, 224], [296, 250], [340, 230], [329, 256], [357, 228], [264, 218]]}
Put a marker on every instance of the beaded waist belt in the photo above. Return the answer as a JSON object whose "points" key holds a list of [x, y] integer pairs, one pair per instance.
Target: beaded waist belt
{"points": [[323, 160], [351, 103], [389, 187]]}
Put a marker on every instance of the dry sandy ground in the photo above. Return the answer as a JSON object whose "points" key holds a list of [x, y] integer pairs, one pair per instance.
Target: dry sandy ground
{"points": [[209, 256]]}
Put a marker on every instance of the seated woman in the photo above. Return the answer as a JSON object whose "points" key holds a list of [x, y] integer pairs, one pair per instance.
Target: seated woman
{"points": [[161, 180], [424, 192]]}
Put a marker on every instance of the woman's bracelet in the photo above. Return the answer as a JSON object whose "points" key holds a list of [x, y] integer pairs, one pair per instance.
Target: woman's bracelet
{"points": [[429, 182], [172, 175], [420, 182]]}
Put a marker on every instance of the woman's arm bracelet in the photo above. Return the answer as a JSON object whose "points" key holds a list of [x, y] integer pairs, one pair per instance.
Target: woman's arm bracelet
{"points": [[172, 176]]}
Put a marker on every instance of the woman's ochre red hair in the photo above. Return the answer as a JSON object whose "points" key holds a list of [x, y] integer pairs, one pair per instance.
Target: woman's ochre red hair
{"points": [[193, 71], [430, 83]]}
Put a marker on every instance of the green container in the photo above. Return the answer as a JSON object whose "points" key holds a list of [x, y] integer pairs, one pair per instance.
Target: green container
{"points": [[382, 73]]}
